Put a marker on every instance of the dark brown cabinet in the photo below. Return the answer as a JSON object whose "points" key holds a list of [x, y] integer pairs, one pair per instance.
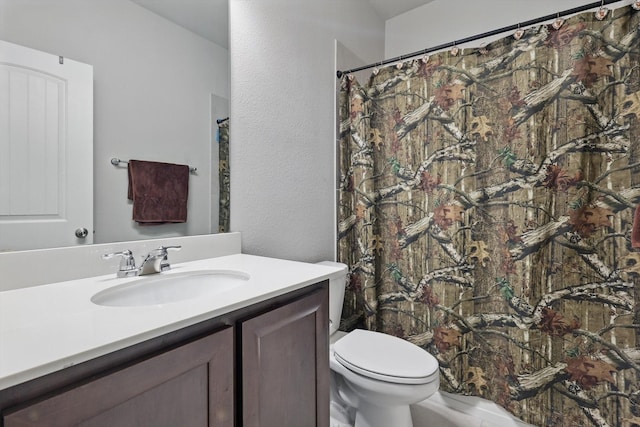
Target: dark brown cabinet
{"points": [[166, 390], [285, 366], [264, 365]]}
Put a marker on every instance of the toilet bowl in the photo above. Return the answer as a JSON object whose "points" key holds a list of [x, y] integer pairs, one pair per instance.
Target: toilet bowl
{"points": [[380, 376], [375, 376]]}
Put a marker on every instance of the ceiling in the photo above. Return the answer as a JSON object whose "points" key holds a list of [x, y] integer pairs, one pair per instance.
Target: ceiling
{"points": [[387, 9], [210, 18], [206, 18]]}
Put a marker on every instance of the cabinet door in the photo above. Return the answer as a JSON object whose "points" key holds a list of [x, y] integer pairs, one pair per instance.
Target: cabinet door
{"points": [[285, 365], [191, 385]]}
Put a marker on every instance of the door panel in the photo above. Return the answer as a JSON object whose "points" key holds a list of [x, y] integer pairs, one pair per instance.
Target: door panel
{"points": [[191, 385], [285, 365], [46, 149]]}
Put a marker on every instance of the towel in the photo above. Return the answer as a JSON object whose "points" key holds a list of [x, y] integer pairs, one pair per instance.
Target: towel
{"points": [[159, 192], [635, 231]]}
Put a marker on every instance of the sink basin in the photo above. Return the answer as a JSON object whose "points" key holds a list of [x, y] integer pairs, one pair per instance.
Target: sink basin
{"points": [[169, 288]]}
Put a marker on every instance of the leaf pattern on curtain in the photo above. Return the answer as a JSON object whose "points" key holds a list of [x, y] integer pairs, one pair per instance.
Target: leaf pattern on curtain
{"points": [[224, 177], [486, 207]]}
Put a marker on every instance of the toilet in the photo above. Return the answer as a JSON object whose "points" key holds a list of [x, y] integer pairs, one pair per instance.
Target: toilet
{"points": [[374, 376]]}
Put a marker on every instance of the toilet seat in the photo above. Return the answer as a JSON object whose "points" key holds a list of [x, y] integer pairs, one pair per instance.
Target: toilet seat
{"points": [[386, 358]]}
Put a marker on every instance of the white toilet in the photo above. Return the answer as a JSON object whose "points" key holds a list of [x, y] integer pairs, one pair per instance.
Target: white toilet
{"points": [[375, 377]]}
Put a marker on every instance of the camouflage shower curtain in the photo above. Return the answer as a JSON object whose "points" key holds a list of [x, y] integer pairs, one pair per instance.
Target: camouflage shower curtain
{"points": [[224, 177], [486, 209]]}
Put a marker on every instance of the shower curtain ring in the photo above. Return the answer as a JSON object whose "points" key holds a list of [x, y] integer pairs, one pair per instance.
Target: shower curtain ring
{"points": [[602, 12], [519, 33], [455, 49], [636, 5], [558, 22], [425, 56]]}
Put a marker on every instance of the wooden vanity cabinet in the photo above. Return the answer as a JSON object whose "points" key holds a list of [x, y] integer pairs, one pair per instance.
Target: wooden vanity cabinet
{"points": [[285, 365], [263, 365], [175, 388]]}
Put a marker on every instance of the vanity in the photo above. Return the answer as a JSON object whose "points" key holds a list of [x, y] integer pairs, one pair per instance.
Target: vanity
{"points": [[252, 355]]}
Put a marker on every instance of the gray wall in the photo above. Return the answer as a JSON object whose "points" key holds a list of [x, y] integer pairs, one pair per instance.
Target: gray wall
{"points": [[282, 119], [444, 21], [153, 82]]}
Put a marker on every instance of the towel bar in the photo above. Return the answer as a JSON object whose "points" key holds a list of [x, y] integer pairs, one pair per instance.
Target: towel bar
{"points": [[116, 162]]}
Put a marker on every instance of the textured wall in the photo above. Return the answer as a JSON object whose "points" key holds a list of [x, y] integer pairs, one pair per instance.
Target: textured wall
{"points": [[282, 119]]}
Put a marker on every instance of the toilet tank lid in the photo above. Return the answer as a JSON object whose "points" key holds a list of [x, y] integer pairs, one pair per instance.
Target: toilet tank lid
{"points": [[343, 268], [381, 354]]}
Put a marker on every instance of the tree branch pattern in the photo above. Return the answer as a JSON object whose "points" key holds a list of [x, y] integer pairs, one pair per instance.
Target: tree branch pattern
{"points": [[486, 206]]}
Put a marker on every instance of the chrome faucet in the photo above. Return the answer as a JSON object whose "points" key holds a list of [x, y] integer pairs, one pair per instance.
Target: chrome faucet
{"points": [[155, 262]]}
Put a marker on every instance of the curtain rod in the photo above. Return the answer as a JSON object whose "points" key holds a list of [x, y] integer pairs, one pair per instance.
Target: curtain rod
{"points": [[481, 36]]}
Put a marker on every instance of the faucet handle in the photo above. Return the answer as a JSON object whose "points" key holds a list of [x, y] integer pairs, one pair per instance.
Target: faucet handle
{"points": [[164, 265], [127, 263], [162, 251]]}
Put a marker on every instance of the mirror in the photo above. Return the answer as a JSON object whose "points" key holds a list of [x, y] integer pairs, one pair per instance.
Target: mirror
{"points": [[159, 85]]}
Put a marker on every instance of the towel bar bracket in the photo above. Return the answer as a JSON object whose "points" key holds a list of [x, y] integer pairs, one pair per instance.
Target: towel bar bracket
{"points": [[117, 162]]}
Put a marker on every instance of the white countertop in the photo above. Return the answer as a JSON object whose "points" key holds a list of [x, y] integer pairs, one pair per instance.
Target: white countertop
{"points": [[47, 328]]}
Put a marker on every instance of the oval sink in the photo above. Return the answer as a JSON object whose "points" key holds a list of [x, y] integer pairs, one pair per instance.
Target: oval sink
{"points": [[168, 288]]}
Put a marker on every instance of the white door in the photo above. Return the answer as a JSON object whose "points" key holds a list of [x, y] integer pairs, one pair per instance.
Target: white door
{"points": [[46, 150]]}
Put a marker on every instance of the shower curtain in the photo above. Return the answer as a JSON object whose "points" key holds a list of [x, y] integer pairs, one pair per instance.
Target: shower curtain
{"points": [[224, 176], [486, 211]]}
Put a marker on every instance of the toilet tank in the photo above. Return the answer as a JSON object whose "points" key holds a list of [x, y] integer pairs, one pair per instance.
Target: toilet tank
{"points": [[337, 284]]}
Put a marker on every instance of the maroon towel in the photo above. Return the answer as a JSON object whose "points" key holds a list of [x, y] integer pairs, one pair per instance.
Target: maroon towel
{"points": [[159, 192]]}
